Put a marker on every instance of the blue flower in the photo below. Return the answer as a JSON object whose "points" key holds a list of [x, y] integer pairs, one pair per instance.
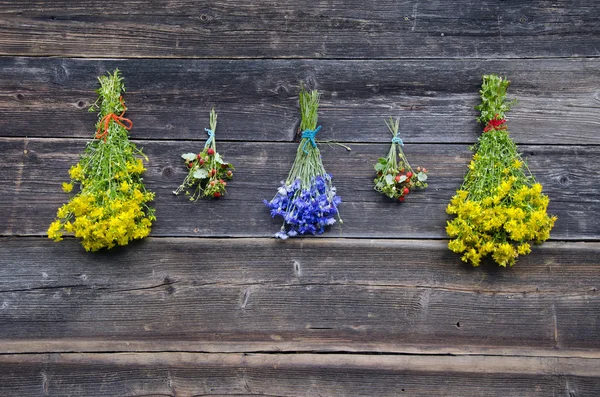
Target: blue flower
{"points": [[305, 211]]}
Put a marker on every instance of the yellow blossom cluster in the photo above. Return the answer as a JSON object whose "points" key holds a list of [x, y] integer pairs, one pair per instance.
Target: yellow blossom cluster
{"points": [[106, 218], [500, 225]]}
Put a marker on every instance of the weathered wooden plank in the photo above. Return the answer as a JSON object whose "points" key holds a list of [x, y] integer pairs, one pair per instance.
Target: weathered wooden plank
{"points": [[311, 29], [31, 192], [257, 99], [176, 374], [324, 294]]}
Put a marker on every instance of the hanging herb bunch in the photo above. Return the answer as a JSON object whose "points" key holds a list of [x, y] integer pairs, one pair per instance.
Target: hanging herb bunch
{"points": [[111, 207], [395, 177], [207, 171], [307, 200], [500, 208]]}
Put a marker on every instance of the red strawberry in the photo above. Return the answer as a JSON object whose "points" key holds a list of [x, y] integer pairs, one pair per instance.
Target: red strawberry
{"points": [[425, 170], [401, 198], [212, 183], [409, 174], [199, 156], [213, 172], [397, 178], [216, 194], [406, 191], [190, 165], [229, 174], [224, 165], [210, 151], [201, 162]]}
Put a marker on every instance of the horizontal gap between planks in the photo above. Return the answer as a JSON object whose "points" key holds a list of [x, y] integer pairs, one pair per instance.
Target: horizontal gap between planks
{"points": [[324, 239], [333, 143], [231, 58], [8, 347]]}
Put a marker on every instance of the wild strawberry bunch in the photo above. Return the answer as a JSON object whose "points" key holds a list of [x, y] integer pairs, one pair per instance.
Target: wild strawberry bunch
{"points": [[395, 177], [207, 172], [307, 200], [111, 207], [500, 207]]}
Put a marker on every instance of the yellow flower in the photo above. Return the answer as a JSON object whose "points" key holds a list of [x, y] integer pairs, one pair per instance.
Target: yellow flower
{"points": [[516, 164], [67, 187], [524, 249], [124, 186], [76, 172], [54, 231]]}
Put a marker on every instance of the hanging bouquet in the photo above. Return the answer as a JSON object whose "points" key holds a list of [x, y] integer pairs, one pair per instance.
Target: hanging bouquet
{"points": [[111, 205], [500, 207], [206, 170], [395, 177], [306, 200]]}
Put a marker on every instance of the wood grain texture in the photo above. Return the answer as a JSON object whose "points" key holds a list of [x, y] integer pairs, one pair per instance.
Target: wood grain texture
{"points": [[559, 99], [322, 294], [311, 29], [176, 374], [31, 188]]}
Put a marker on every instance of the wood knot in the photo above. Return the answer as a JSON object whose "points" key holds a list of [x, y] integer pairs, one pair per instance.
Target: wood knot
{"points": [[167, 172], [282, 91]]}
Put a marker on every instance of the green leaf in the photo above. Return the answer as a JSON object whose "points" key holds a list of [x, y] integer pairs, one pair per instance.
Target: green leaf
{"points": [[379, 185], [402, 178], [200, 173], [422, 177], [379, 167], [218, 158], [389, 179], [189, 156]]}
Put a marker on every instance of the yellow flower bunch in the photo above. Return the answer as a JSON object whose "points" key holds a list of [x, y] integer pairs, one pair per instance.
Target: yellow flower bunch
{"points": [[500, 208], [111, 208]]}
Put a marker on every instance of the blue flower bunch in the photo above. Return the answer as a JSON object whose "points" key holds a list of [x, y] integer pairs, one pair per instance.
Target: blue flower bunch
{"points": [[305, 211], [306, 200]]}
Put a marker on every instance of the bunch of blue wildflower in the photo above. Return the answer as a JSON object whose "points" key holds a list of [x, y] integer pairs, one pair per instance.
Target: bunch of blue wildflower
{"points": [[500, 208], [207, 171], [307, 200]]}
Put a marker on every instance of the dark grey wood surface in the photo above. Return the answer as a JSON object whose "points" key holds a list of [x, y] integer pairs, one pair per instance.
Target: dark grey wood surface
{"points": [[210, 304], [309, 29]]}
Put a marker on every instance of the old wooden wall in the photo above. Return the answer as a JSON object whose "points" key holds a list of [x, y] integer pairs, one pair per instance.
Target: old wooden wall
{"points": [[210, 304]]}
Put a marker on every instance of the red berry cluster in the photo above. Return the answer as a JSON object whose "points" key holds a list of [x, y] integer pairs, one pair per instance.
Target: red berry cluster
{"points": [[209, 173], [397, 183]]}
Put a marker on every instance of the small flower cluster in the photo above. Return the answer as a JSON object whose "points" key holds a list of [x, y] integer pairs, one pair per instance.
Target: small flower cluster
{"points": [[306, 200], [207, 171], [112, 205], [395, 177], [500, 208], [305, 211]]}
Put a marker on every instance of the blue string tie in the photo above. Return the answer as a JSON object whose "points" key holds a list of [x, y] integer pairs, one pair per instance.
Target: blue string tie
{"points": [[397, 140], [310, 136], [211, 136]]}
